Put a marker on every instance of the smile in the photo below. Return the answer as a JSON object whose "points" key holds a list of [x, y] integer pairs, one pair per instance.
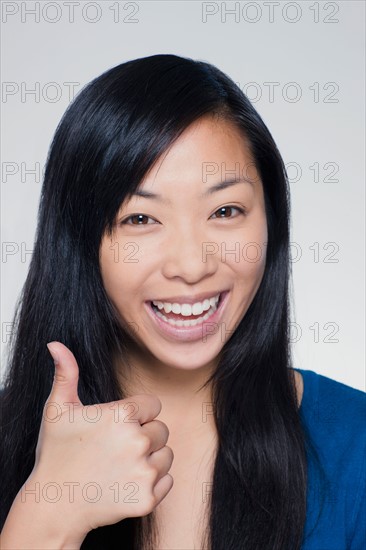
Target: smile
{"points": [[187, 310], [187, 321]]}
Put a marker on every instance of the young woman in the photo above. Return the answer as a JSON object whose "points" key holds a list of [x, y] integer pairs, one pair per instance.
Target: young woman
{"points": [[160, 279]]}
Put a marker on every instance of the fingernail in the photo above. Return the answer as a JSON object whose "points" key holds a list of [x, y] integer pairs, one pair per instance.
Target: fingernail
{"points": [[54, 354]]}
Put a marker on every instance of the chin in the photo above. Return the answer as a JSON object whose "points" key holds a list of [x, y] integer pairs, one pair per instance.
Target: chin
{"points": [[187, 361]]}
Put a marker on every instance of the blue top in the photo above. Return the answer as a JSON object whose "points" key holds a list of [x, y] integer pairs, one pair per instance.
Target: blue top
{"points": [[335, 416]]}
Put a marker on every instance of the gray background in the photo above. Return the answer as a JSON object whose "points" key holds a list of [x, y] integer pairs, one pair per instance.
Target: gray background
{"points": [[310, 54]]}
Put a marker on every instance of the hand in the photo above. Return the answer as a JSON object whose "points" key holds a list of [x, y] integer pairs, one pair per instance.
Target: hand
{"points": [[107, 461]]}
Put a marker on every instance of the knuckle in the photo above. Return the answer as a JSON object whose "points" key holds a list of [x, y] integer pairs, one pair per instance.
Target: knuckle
{"points": [[149, 475], [153, 473], [60, 378], [142, 444]]}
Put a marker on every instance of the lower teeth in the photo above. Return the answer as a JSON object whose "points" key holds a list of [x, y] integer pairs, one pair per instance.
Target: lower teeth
{"points": [[188, 323]]}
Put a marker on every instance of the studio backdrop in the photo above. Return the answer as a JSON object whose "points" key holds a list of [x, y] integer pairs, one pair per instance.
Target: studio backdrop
{"points": [[302, 64]]}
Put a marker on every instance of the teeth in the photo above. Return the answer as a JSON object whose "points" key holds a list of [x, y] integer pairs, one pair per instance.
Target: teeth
{"points": [[188, 323], [187, 309]]}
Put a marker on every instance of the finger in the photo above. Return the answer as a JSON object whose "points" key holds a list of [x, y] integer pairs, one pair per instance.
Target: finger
{"points": [[65, 382], [162, 487], [144, 407], [158, 433], [162, 460]]}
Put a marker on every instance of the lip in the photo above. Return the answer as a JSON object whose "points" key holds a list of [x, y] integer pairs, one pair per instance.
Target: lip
{"points": [[189, 299], [188, 334]]}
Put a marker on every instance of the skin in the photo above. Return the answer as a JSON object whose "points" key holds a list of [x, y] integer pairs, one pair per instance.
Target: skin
{"points": [[168, 246]]}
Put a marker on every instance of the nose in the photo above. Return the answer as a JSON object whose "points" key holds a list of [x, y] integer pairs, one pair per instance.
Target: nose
{"points": [[189, 256]]}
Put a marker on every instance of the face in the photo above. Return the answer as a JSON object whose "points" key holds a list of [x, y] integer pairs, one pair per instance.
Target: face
{"points": [[190, 240]]}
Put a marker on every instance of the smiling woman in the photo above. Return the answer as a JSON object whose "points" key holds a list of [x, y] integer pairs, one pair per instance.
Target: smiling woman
{"points": [[175, 253], [166, 202]]}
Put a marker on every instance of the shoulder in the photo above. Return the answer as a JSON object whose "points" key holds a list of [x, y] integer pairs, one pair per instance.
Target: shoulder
{"points": [[335, 416], [327, 403]]}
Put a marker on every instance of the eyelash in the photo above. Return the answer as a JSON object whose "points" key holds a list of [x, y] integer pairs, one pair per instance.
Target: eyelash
{"points": [[124, 222]]}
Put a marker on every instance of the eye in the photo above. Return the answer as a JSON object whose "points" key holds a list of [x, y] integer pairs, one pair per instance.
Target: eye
{"points": [[138, 217], [225, 211]]}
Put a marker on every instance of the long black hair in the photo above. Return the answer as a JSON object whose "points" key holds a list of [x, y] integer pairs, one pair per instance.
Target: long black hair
{"points": [[109, 137]]}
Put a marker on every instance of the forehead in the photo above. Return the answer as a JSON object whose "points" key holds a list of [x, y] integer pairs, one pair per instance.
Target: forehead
{"points": [[210, 149]]}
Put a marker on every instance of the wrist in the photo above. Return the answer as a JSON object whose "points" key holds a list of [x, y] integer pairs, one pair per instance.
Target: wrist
{"points": [[39, 525]]}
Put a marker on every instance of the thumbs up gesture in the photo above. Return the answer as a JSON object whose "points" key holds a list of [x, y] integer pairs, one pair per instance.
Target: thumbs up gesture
{"points": [[98, 464]]}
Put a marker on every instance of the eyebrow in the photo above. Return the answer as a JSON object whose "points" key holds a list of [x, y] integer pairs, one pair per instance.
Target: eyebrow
{"points": [[217, 187]]}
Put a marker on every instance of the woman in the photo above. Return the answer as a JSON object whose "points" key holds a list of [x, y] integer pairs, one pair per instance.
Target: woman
{"points": [[166, 200]]}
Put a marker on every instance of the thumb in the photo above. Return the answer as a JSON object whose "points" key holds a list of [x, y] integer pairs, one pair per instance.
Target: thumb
{"points": [[65, 383]]}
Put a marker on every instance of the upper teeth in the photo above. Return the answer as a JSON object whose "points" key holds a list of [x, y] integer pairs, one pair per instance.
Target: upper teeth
{"points": [[188, 309]]}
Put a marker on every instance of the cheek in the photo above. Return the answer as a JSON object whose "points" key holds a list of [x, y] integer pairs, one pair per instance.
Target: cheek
{"points": [[249, 259], [254, 259], [251, 268], [123, 270]]}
